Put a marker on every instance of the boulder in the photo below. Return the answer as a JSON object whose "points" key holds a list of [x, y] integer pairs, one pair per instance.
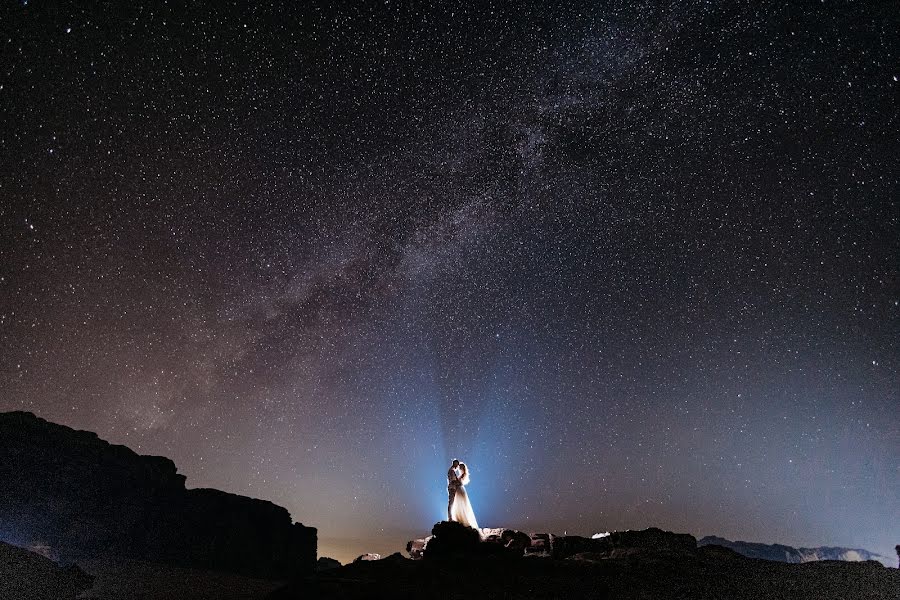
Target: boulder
{"points": [[452, 539], [541, 545], [326, 564], [416, 548], [367, 556], [449, 538], [515, 542]]}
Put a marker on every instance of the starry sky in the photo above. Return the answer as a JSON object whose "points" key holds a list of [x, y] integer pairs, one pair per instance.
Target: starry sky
{"points": [[635, 262]]}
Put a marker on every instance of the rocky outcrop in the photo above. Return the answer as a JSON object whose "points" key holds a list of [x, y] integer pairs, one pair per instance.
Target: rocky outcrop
{"points": [[782, 553], [416, 548], [76, 496], [326, 564], [620, 543], [449, 538], [367, 556], [452, 539], [395, 558], [515, 542], [26, 575], [626, 573]]}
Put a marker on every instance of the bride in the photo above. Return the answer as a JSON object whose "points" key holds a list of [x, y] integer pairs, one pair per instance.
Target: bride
{"points": [[460, 507]]}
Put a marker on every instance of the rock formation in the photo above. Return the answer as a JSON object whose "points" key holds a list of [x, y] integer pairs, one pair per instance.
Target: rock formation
{"points": [[454, 539], [367, 556], [325, 563], [416, 548], [75, 496], [782, 553], [461, 562], [450, 539], [26, 575]]}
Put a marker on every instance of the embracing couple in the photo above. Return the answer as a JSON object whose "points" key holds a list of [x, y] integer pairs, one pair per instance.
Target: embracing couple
{"points": [[459, 508]]}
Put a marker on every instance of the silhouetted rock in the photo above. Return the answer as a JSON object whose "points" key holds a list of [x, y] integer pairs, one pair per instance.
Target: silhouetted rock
{"points": [[396, 557], [622, 543], [623, 573], [367, 556], [416, 548], [77, 496], [450, 538], [324, 564], [541, 545], [782, 553], [515, 541], [26, 575]]}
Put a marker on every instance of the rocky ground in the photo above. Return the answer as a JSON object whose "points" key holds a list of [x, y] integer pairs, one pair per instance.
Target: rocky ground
{"points": [[706, 576], [26, 575], [457, 562], [139, 580], [625, 565]]}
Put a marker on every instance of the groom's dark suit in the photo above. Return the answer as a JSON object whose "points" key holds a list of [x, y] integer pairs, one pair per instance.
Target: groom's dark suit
{"points": [[453, 484]]}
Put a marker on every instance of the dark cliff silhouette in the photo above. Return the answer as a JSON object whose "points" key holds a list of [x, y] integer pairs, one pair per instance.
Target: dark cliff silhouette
{"points": [[72, 495]]}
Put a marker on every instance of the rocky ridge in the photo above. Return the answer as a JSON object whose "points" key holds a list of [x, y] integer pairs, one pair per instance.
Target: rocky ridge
{"points": [[71, 495], [782, 553], [451, 539], [456, 561]]}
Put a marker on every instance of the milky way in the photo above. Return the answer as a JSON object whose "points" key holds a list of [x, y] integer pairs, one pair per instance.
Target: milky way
{"points": [[636, 263]]}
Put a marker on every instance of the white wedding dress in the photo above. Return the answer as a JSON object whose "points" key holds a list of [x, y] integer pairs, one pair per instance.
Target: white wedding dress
{"points": [[461, 509]]}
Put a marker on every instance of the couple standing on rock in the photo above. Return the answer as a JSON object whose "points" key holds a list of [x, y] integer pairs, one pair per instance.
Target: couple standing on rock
{"points": [[459, 508]]}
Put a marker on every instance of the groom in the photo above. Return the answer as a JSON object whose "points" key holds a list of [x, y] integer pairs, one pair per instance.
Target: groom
{"points": [[452, 485]]}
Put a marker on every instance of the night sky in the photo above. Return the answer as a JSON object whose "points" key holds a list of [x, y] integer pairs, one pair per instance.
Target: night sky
{"points": [[636, 263]]}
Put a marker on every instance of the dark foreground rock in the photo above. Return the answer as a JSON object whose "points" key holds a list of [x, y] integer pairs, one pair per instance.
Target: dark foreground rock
{"points": [[26, 575], [711, 572], [77, 496], [325, 564], [117, 579], [450, 539], [623, 543], [460, 562], [367, 556]]}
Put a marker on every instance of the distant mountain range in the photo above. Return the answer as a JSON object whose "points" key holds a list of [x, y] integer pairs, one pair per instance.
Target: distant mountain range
{"points": [[781, 553]]}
